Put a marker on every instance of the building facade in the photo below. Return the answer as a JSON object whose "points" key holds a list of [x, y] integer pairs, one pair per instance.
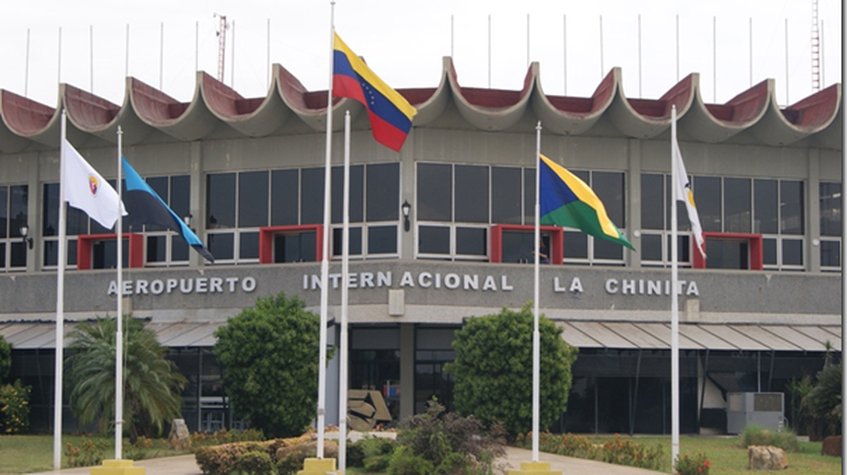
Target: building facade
{"points": [[247, 175]]}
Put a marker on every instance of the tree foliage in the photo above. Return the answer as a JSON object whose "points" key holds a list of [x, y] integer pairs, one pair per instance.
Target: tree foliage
{"points": [[822, 405], [269, 355], [5, 358], [152, 384], [493, 369]]}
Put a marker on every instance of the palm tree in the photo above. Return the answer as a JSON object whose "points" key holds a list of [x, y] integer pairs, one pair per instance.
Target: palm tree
{"points": [[152, 384]]}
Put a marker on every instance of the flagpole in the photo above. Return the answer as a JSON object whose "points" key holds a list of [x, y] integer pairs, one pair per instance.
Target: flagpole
{"points": [[325, 245], [674, 303], [345, 294], [60, 308], [119, 334], [536, 335]]}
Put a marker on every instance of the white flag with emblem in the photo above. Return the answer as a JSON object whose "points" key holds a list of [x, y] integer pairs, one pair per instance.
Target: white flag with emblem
{"points": [[86, 190], [682, 192]]}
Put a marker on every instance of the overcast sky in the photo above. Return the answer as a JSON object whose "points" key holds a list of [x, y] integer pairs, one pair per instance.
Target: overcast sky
{"points": [[404, 42]]}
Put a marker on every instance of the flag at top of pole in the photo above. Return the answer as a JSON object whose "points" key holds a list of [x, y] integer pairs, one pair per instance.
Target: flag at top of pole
{"points": [[85, 189], [682, 192], [390, 113]]}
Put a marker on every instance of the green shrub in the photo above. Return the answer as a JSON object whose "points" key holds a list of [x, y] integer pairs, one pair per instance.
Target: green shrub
{"points": [[14, 408], [822, 404], [756, 435], [626, 452], [455, 463], [89, 452], [692, 465], [406, 462], [371, 453], [224, 459], [621, 451], [5, 358], [223, 436], [289, 458], [255, 463], [355, 455]]}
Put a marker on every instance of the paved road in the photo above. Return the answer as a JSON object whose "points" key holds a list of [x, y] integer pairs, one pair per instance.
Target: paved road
{"points": [[185, 465]]}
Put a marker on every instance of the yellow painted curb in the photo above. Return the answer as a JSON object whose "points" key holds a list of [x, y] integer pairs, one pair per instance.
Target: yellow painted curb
{"points": [[534, 468], [315, 466], [117, 467]]}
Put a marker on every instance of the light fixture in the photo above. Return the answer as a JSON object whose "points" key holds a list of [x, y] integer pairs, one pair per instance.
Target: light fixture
{"points": [[187, 219], [25, 236], [406, 208]]}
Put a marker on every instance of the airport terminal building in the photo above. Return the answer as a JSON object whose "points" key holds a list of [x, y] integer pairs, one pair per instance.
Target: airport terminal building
{"points": [[442, 232]]}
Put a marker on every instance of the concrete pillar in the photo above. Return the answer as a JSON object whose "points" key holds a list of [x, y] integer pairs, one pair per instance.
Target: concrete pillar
{"points": [[407, 193], [407, 370], [632, 193], [34, 214], [812, 245], [197, 202]]}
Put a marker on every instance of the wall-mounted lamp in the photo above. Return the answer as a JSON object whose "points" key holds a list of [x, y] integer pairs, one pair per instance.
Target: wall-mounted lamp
{"points": [[407, 209], [187, 219], [25, 236]]}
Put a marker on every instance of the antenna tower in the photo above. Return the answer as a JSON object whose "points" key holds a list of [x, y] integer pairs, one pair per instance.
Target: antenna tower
{"points": [[816, 48], [221, 33]]}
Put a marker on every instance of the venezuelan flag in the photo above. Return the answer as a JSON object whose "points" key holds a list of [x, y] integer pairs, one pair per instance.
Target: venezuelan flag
{"points": [[390, 113], [565, 200]]}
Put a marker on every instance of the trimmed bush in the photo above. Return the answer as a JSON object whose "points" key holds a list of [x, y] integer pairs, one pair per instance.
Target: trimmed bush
{"points": [[619, 450], [405, 462], [756, 435], [255, 463], [692, 465], [14, 408]]}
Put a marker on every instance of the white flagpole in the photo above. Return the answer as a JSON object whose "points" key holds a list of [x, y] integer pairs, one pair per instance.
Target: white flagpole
{"points": [[325, 244], [674, 302], [345, 294], [119, 334], [60, 309], [536, 335]]}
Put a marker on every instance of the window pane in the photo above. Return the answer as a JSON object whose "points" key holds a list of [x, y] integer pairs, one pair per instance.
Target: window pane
{"points": [[433, 240], [180, 198], [471, 194], [604, 249], [248, 245], [252, 199], [50, 253], [220, 201], [179, 249], [435, 192], [312, 196], [681, 211], [71, 252], [77, 221], [104, 254], [4, 219], [221, 246], [383, 191], [471, 241], [769, 252], [792, 252], [830, 209], [356, 198], [18, 254], [156, 248], [791, 207], [652, 202], [609, 187], [707, 195], [506, 195], [576, 245], [160, 186], [684, 250], [736, 205], [285, 193], [3, 255], [382, 239], [529, 195], [651, 247], [50, 210], [765, 211], [17, 209], [728, 254], [517, 246], [294, 247], [355, 241], [830, 253]]}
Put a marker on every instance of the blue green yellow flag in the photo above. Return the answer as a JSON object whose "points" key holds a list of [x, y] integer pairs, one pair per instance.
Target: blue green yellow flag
{"points": [[565, 200]]}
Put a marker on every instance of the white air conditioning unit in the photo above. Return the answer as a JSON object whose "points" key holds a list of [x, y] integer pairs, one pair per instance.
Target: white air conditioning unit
{"points": [[761, 409]]}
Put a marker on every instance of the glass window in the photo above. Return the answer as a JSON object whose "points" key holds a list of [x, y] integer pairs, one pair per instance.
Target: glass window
{"points": [[506, 195], [252, 199], [220, 201], [355, 241], [156, 248], [609, 187], [180, 196], [50, 210], [221, 246], [434, 240], [295, 247], [18, 254], [312, 196], [576, 245], [435, 192], [765, 207], [383, 192], [707, 195], [830, 206], [160, 186], [604, 249], [248, 245], [791, 207], [179, 249], [4, 220], [737, 207], [285, 193], [652, 202], [769, 252], [356, 184], [17, 209], [681, 211], [471, 241], [683, 245], [529, 195], [76, 220], [651, 247], [728, 253], [792, 252], [830, 254], [104, 254], [382, 239], [517, 246], [472, 199], [3, 255]]}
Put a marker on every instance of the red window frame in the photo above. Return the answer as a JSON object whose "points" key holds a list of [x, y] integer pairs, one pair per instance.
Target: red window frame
{"points": [[557, 240], [266, 240], [754, 241], [84, 242]]}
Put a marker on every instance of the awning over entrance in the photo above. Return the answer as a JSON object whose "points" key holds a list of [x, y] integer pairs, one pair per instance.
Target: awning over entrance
{"points": [[42, 335], [697, 336]]}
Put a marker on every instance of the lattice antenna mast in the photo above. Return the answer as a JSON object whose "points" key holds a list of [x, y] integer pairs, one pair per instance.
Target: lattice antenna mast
{"points": [[816, 48], [221, 33]]}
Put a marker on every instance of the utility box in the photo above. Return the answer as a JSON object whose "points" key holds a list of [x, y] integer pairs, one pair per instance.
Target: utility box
{"points": [[765, 410]]}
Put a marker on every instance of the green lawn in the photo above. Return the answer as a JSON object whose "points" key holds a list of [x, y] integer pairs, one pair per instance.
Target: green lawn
{"points": [[34, 453], [729, 459]]}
